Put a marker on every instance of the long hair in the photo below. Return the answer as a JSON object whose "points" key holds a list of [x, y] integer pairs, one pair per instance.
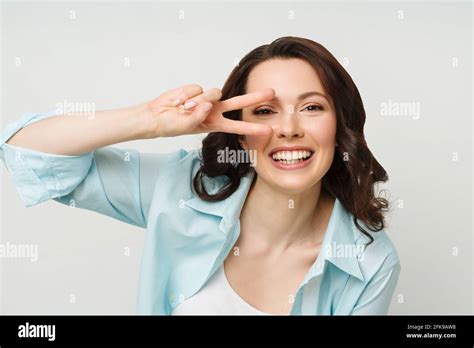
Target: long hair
{"points": [[354, 170]]}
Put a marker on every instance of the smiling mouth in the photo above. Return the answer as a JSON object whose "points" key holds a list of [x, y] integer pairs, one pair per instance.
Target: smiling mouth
{"points": [[291, 157]]}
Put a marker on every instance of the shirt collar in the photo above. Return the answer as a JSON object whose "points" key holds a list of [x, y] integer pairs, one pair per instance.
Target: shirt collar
{"points": [[340, 231]]}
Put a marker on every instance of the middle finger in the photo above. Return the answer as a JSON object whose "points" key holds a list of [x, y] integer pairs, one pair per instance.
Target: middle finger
{"points": [[211, 95], [241, 101]]}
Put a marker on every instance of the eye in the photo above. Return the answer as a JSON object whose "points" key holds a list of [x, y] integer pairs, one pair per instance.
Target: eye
{"points": [[264, 111], [314, 107]]}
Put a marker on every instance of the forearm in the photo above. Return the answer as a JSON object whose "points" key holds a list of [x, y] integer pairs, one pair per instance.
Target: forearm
{"points": [[79, 134]]}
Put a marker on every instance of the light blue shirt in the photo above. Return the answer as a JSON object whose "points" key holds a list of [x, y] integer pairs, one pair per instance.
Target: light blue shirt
{"points": [[187, 239]]}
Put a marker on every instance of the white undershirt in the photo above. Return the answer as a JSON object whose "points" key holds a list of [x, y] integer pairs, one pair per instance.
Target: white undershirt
{"points": [[216, 297]]}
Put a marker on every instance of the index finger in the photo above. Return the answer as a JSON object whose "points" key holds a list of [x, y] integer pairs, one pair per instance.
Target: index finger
{"points": [[243, 128], [179, 95], [242, 101]]}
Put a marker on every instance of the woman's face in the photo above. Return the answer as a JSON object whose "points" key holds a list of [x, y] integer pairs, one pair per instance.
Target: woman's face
{"points": [[301, 115]]}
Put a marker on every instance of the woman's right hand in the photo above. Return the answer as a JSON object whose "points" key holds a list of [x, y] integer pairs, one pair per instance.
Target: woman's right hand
{"points": [[189, 110]]}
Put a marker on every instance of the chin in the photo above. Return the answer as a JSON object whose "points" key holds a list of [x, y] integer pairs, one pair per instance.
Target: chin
{"points": [[292, 183]]}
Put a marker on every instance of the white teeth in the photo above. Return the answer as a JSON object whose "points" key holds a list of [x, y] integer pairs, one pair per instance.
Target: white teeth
{"points": [[291, 156]]}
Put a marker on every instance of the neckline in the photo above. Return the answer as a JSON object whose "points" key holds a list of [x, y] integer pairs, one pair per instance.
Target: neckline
{"points": [[235, 294]]}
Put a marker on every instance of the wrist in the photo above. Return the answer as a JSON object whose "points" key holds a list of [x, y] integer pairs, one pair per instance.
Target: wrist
{"points": [[137, 121]]}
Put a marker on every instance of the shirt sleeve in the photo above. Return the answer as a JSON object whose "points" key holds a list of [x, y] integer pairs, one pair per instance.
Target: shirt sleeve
{"points": [[376, 297], [115, 182]]}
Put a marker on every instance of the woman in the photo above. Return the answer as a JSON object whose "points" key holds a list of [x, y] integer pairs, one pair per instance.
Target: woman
{"points": [[283, 233]]}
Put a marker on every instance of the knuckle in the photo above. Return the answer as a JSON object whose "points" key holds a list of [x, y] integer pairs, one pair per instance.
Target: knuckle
{"points": [[198, 88], [215, 92]]}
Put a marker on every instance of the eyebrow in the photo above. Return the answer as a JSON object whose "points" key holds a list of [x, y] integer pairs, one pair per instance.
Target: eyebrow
{"points": [[306, 95]]}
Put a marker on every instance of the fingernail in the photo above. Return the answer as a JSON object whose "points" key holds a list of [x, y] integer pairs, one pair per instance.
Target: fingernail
{"points": [[189, 104], [176, 102]]}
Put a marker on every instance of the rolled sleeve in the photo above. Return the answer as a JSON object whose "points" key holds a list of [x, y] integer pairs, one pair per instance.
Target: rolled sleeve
{"points": [[25, 120], [40, 176]]}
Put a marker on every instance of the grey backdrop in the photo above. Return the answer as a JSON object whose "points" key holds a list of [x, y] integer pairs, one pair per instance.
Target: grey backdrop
{"points": [[119, 54]]}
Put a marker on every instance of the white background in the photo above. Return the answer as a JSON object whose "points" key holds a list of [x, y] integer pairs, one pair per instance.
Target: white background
{"points": [[78, 52]]}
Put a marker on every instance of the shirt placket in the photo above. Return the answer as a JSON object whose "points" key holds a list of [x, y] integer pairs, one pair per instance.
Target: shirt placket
{"points": [[307, 295]]}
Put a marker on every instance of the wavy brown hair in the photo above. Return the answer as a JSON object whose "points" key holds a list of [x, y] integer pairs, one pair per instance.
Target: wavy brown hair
{"points": [[354, 170]]}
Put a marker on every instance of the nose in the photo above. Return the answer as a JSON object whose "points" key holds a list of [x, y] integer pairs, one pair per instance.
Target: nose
{"points": [[288, 125]]}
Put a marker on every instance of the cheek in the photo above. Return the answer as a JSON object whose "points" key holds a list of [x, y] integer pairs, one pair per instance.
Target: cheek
{"points": [[322, 130], [257, 142]]}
